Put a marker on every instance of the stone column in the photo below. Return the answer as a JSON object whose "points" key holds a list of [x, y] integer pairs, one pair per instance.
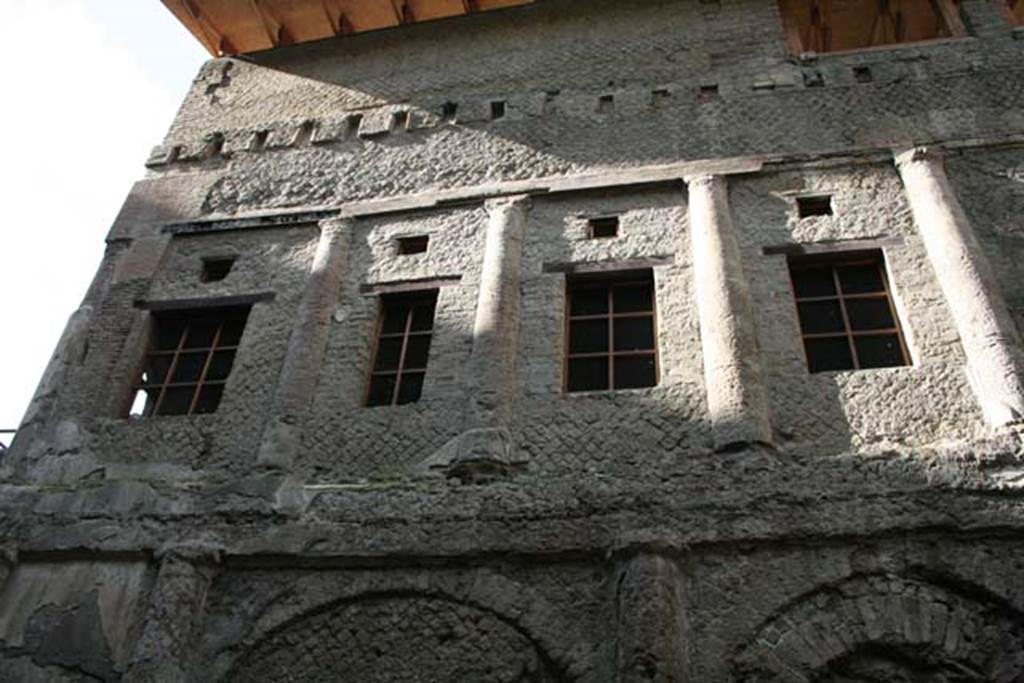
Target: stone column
{"points": [[496, 327], [737, 400], [176, 605], [484, 449], [306, 346], [987, 332], [651, 641]]}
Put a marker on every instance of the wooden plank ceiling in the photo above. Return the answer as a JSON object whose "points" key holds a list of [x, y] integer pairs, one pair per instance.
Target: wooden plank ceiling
{"points": [[227, 27], [836, 25]]}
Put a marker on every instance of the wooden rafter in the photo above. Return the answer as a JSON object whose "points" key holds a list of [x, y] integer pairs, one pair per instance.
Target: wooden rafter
{"points": [[235, 26]]}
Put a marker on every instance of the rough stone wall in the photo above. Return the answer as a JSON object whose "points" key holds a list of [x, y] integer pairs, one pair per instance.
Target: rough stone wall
{"points": [[605, 536]]}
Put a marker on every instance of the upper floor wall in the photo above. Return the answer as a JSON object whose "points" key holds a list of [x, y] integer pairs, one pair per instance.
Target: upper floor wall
{"points": [[560, 88]]}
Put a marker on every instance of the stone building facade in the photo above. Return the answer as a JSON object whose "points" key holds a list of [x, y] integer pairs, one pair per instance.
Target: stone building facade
{"points": [[802, 461]]}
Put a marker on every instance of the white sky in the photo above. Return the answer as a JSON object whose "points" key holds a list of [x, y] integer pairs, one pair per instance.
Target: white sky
{"points": [[90, 86]]}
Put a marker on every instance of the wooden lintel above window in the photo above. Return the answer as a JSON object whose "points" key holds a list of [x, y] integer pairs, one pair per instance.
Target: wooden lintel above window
{"points": [[227, 27]]}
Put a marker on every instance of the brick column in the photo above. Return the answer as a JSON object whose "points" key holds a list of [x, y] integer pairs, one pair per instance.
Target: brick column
{"points": [[987, 332], [651, 638], [177, 601], [306, 346], [736, 394]]}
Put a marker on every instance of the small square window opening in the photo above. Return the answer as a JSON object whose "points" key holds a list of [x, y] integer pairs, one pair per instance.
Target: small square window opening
{"points": [[217, 268], [190, 357], [611, 333], [820, 205], [400, 120], [603, 228], [847, 318], [404, 335], [408, 246], [497, 110], [449, 110]]}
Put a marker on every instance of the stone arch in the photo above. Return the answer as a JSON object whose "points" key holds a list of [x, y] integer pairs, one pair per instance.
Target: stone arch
{"points": [[396, 637], [882, 627], [512, 609]]}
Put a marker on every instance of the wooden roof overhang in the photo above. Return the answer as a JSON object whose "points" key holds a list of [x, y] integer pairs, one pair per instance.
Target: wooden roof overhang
{"points": [[228, 27]]}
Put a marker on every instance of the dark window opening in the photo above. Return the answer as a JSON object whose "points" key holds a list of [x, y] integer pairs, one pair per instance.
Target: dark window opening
{"points": [[497, 110], [217, 268], [606, 103], [825, 26], [604, 228], [305, 134], [707, 93], [413, 245], [862, 74], [190, 357], [449, 110], [400, 120], [611, 333], [820, 205], [847, 318], [403, 348], [353, 123], [259, 140]]}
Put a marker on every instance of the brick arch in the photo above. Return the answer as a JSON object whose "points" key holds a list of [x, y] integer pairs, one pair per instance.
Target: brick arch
{"points": [[886, 628], [513, 610]]}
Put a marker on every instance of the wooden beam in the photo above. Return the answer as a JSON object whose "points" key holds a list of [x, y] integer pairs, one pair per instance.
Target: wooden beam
{"points": [[211, 42], [950, 12], [271, 33]]}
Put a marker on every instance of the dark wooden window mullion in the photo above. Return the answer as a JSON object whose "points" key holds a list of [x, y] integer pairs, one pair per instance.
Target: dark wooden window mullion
{"points": [[611, 337], [401, 357], [206, 368], [172, 369], [846, 319]]}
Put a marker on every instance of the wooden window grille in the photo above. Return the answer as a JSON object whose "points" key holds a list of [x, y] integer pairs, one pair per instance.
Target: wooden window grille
{"points": [[847, 317], [189, 360], [611, 333], [403, 347]]}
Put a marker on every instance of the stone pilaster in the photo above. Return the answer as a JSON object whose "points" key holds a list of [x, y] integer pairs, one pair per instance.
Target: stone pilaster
{"points": [[306, 346], [989, 338], [737, 400], [176, 604], [651, 644]]}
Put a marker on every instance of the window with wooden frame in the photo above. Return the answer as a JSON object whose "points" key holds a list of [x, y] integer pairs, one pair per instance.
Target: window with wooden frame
{"points": [[611, 340], [839, 25], [190, 356], [403, 346], [846, 312]]}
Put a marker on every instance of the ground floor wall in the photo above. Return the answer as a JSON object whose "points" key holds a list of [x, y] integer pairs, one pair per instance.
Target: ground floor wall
{"points": [[927, 605]]}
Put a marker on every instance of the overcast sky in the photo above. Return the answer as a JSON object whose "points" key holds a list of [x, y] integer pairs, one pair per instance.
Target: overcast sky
{"points": [[90, 86]]}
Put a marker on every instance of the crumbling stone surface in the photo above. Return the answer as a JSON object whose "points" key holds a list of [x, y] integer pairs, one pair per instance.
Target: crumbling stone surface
{"points": [[870, 527]]}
